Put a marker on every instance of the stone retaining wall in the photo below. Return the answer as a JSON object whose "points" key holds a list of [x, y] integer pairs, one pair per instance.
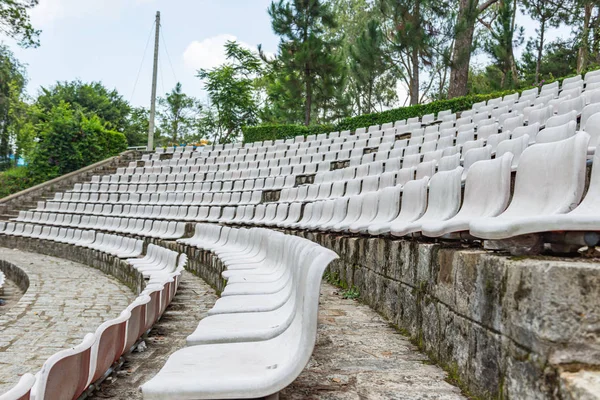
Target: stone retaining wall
{"points": [[15, 274], [505, 327], [106, 263]]}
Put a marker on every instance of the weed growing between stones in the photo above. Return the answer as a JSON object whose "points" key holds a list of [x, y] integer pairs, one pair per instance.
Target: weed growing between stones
{"points": [[351, 293]]}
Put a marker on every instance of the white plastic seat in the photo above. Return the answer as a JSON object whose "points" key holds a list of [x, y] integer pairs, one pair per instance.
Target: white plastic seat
{"points": [[443, 201], [414, 202], [514, 147], [561, 119], [386, 209], [66, 373], [529, 130], [587, 112], [556, 133], [550, 181], [511, 123], [476, 154], [253, 378], [487, 192], [448, 163]]}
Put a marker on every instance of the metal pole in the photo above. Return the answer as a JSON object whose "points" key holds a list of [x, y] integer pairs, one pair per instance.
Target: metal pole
{"points": [[154, 77]]}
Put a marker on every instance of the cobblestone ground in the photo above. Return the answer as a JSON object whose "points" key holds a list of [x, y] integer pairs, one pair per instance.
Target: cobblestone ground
{"points": [[10, 294], [65, 300], [357, 356], [193, 300]]}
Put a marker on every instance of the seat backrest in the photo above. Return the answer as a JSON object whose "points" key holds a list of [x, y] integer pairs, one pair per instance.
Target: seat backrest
{"points": [[556, 133], [444, 197], [414, 199], [561, 119], [448, 163], [514, 147], [476, 154], [487, 187], [587, 112], [592, 127], [550, 178], [65, 374], [109, 344]]}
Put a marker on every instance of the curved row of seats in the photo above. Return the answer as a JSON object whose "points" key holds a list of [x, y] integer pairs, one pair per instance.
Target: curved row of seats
{"points": [[2, 280], [260, 334], [548, 190], [69, 373], [118, 246], [49, 227]]}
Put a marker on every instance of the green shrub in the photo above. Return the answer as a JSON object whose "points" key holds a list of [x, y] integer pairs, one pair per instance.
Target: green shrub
{"points": [[274, 132], [69, 140], [14, 180], [402, 113]]}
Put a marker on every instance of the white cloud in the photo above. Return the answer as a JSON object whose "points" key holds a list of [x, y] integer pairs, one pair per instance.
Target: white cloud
{"points": [[210, 52], [48, 12]]}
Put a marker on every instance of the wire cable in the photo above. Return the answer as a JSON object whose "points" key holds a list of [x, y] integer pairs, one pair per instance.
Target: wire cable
{"points": [[167, 51], [142, 63]]}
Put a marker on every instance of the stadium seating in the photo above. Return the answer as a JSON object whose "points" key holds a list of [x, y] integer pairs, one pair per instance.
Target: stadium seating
{"points": [[267, 317], [69, 373], [507, 167]]}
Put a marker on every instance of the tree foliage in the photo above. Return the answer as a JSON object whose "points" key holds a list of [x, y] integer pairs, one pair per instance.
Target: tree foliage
{"points": [[15, 23], [307, 64], [504, 36], [12, 85], [68, 139], [231, 91], [87, 98], [178, 115]]}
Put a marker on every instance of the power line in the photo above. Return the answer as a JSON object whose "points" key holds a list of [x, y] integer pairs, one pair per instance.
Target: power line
{"points": [[142, 63], [167, 51], [162, 79]]}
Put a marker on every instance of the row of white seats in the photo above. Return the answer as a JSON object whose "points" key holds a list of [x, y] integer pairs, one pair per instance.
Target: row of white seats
{"points": [[2, 280], [550, 181], [85, 203], [69, 373], [260, 334], [177, 213], [119, 246], [49, 226]]}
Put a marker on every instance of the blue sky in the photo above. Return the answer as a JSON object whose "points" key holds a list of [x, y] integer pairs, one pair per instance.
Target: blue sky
{"points": [[104, 40]]}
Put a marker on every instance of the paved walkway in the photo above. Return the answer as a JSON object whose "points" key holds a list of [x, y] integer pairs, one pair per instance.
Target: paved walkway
{"points": [[193, 300], [357, 356], [65, 300]]}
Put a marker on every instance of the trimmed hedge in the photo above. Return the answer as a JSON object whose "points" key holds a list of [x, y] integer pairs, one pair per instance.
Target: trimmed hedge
{"points": [[273, 132], [398, 114]]}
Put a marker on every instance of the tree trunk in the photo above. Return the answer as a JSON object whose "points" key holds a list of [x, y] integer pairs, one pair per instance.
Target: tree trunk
{"points": [[461, 53], [583, 54], [596, 39], [414, 78], [308, 104], [540, 50], [513, 64]]}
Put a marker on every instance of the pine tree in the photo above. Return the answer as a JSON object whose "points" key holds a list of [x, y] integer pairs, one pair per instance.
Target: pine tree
{"points": [[369, 68], [305, 58], [178, 114], [549, 13], [412, 35], [505, 35]]}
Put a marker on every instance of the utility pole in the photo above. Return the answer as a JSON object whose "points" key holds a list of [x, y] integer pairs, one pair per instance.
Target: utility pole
{"points": [[154, 77]]}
